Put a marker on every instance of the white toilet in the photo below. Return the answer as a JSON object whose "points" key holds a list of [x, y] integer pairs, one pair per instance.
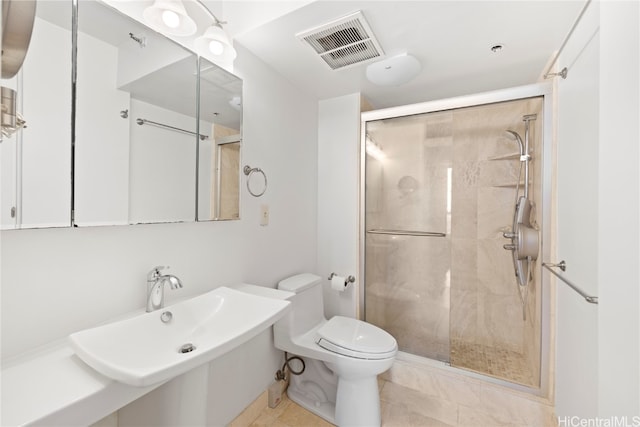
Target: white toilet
{"points": [[343, 357]]}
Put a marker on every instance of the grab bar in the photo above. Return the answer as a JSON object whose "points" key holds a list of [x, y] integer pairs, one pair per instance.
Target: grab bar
{"points": [[162, 125], [563, 266], [407, 233]]}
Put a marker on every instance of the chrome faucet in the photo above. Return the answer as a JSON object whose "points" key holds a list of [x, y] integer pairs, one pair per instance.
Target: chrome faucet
{"points": [[155, 287]]}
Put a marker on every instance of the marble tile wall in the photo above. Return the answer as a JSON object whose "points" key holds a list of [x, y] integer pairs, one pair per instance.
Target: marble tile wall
{"points": [[434, 294]]}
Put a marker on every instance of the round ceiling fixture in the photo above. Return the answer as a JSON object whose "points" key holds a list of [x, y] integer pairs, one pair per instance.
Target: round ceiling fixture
{"points": [[394, 71]]}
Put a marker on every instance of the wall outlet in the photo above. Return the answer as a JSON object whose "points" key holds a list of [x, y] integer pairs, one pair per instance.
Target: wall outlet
{"points": [[264, 215]]}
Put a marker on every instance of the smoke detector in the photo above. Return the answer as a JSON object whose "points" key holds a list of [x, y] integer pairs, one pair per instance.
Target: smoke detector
{"points": [[344, 42]]}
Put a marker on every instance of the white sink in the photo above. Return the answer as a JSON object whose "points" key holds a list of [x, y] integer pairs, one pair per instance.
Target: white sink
{"points": [[144, 350]]}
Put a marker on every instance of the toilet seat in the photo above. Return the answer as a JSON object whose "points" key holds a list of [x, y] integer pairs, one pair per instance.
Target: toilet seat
{"points": [[355, 338]]}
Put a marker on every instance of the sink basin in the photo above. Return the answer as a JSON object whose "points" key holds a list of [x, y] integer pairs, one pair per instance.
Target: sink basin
{"points": [[155, 347]]}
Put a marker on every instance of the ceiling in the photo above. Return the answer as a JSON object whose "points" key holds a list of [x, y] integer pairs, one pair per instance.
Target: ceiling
{"points": [[451, 39]]}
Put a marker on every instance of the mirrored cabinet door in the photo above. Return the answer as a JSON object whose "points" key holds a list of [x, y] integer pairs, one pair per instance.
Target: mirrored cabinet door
{"points": [[36, 122], [155, 135], [136, 123]]}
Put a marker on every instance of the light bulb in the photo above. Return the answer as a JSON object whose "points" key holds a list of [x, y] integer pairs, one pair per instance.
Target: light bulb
{"points": [[170, 18], [216, 47]]}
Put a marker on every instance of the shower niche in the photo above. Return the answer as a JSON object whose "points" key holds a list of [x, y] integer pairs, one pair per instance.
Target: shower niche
{"points": [[437, 205]]}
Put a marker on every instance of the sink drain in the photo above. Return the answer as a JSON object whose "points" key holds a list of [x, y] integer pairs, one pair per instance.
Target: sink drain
{"points": [[187, 348]]}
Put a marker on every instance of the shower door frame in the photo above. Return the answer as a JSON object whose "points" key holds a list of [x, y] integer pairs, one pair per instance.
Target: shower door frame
{"points": [[544, 90]]}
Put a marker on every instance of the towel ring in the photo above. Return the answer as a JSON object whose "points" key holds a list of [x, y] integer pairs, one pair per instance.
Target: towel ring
{"points": [[248, 171]]}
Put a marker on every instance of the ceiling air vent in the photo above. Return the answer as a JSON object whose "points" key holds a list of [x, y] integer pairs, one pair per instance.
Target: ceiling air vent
{"points": [[343, 42]]}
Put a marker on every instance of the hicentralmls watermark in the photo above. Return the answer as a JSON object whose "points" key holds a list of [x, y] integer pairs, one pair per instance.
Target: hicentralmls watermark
{"points": [[574, 421]]}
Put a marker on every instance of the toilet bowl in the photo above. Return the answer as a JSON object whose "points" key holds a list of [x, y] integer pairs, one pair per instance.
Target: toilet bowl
{"points": [[343, 357]]}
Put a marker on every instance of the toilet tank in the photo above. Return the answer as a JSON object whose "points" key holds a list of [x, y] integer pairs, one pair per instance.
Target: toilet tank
{"points": [[307, 308]]}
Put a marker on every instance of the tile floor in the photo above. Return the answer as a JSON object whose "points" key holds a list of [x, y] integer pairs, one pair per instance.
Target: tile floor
{"points": [[401, 407], [394, 413], [288, 414]]}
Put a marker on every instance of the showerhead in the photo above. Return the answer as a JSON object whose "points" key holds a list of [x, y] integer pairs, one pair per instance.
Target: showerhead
{"points": [[518, 139]]}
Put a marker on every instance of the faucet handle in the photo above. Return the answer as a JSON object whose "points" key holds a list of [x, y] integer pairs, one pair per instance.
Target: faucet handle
{"points": [[155, 273]]}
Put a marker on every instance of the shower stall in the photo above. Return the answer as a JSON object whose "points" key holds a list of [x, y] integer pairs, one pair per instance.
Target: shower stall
{"points": [[452, 218]]}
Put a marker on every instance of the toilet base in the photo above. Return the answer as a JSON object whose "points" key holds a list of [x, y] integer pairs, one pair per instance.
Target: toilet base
{"points": [[315, 389], [358, 402], [325, 410]]}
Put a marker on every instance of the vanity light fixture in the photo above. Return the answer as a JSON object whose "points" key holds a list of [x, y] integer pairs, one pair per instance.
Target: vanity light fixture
{"points": [[215, 43], [170, 16]]}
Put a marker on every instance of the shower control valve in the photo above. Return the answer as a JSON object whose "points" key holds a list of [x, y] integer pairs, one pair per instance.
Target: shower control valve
{"points": [[508, 234]]}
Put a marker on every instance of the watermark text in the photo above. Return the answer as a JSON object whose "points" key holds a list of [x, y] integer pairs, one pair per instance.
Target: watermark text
{"points": [[574, 421]]}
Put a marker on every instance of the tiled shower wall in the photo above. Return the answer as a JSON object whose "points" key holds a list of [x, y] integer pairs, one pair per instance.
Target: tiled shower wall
{"points": [[453, 298]]}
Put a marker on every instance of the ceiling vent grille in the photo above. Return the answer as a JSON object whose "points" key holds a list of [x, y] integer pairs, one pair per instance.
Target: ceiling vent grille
{"points": [[343, 42]]}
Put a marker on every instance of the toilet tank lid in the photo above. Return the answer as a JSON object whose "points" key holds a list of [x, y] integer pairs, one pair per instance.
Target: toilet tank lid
{"points": [[299, 282]]}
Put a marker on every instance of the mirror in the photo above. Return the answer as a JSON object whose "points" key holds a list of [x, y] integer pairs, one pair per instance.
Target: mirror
{"points": [[36, 158], [219, 154], [136, 122], [137, 154]]}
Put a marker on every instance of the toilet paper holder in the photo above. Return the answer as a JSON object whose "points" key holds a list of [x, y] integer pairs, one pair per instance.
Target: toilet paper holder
{"points": [[347, 280]]}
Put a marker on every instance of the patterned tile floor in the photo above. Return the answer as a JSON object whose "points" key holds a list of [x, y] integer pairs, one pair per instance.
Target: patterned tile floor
{"points": [[497, 362]]}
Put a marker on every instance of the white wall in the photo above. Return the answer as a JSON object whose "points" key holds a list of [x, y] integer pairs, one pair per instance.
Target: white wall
{"points": [[56, 281], [598, 348], [618, 211], [338, 208], [577, 210], [280, 137]]}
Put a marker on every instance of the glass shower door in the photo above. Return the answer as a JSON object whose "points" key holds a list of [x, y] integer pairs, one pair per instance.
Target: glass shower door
{"points": [[408, 204], [440, 191]]}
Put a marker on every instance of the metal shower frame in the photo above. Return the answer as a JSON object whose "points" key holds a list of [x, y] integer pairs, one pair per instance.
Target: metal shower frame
{"points": [[544, 90]]}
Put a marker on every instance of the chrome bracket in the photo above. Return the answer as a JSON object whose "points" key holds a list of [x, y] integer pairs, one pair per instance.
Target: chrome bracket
{"points": [[562, 265]]}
